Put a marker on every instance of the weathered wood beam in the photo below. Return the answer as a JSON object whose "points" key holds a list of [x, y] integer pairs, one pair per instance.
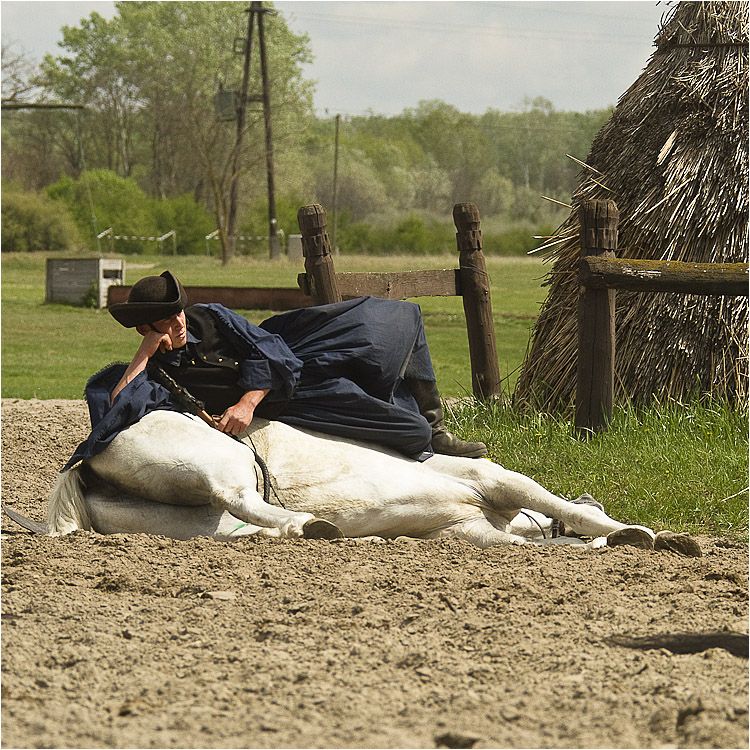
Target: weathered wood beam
{"points": [[396, 285], [475, 292], [316, 247], [600, 272], [238, 298]]}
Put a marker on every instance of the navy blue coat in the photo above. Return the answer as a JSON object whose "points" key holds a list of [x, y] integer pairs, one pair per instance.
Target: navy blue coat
{"points": [[337, 369]]}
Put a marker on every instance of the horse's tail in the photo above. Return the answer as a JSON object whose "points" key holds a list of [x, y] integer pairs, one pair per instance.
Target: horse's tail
{"points": [[67, 508]]}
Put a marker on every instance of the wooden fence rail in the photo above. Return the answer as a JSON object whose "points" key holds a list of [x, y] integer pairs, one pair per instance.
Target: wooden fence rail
{"points": [[236, 297], [600, 274]]}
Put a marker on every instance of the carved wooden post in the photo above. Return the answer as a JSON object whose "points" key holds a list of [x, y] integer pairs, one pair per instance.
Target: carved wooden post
{"points": [[475, 290], [596, 323], [316, 247]]}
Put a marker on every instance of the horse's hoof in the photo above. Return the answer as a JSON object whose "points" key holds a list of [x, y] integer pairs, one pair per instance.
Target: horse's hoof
{"points": [[632, 537], [682, 544], [586, 499], [318, 528]]}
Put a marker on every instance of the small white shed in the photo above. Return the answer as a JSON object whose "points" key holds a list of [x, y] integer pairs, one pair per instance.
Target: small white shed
{"points": [[73, 279], [294, 247]]}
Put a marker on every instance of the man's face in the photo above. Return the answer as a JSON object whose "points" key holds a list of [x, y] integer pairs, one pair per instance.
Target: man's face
{"points": [[175, 327]]}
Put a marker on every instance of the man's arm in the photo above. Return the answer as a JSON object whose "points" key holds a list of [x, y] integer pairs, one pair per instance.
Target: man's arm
{"points": [[266, 360], [152, 342], [237, 418]]}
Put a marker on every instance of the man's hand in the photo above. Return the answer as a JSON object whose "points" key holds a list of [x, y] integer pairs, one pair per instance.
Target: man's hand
{"points": [[153, 342], [236, 419]]}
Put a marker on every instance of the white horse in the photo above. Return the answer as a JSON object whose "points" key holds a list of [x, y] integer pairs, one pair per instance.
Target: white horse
{"points": [[173, 475]]}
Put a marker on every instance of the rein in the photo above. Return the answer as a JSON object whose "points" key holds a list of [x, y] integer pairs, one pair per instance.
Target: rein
{"points": [[186, 399], [531, 518]]}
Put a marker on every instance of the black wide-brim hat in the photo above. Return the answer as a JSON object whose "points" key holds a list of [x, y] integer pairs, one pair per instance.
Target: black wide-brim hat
{"points": [[152, 298]]}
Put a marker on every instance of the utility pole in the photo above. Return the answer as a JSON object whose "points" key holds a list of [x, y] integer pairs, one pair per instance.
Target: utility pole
{"points": [[229, 244], [335, 182], [256, 8], [273, 239]]}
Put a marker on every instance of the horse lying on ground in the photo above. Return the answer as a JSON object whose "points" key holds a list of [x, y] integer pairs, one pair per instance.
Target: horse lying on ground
{"points": [[171, 474]]}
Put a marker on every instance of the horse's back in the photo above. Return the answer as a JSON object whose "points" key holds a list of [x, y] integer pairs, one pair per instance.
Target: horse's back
{"points": [[361, 487]]}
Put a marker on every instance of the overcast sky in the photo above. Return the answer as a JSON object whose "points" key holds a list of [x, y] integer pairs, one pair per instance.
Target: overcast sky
{"points": [[385, 57]]}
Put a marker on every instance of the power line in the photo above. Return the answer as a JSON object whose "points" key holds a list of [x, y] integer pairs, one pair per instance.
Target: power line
{"points": [[547, 8], [506, 32]]}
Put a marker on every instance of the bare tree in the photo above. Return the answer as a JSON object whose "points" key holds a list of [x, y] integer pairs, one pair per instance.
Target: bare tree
{"points": [[17, 72]]}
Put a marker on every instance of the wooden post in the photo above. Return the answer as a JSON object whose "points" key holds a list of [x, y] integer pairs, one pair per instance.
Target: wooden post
{"points": [[596, 323], [475, 291], [316, 247]]}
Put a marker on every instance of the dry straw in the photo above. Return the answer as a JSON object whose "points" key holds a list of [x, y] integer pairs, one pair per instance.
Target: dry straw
{"points": [[674, 157]]}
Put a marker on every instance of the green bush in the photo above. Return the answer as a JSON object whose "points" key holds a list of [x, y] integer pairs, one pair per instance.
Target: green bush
{"points": [[34, 223], [512, 242], [121, 204], [356, 238], [412, 235], [190, 221], [116, 202]]}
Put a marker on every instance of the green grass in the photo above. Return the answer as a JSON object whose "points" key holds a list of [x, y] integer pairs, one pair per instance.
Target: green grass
{"points": [[683, 467], [50, 350]]}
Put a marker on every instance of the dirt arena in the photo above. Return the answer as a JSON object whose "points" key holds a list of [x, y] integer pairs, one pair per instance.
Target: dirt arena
{"points": [[133, 641]]}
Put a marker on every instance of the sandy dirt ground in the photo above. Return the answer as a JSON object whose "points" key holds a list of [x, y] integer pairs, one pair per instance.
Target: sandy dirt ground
{"points": [[135, 641]]}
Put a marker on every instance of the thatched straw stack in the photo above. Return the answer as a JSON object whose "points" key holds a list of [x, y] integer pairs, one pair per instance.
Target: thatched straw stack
{"points": [[674, 157]]}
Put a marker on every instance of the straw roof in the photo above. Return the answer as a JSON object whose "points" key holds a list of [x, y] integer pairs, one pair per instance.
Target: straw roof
{"points": [[674, 157]]}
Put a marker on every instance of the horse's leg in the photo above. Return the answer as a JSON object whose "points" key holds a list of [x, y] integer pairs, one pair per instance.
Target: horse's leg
{"points": [[508, 492], [528, 524], [246, 504], [111, 512], [586, 520], [480, 532], [249, 506]]}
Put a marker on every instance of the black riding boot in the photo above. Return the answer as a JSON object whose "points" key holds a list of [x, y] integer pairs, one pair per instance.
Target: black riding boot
{"points": [[427, 397]]}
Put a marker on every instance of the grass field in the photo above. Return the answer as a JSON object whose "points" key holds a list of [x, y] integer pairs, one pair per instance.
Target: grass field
{"points": [[76, 342], [677, 466]]}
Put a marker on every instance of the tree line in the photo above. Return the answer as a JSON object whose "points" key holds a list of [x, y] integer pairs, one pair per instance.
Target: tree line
{"points": [[150, 148]]}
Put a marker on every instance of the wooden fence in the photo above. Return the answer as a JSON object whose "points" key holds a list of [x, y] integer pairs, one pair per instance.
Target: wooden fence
{"points": [[469, 281], [236, 297], [600, 274]]}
